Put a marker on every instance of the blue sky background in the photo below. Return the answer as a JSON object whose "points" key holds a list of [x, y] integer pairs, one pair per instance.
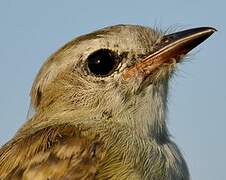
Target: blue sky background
{"points": [[31, 30]]}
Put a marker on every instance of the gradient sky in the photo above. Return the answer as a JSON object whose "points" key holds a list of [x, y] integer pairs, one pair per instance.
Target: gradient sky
{"points": [[31, 30]]}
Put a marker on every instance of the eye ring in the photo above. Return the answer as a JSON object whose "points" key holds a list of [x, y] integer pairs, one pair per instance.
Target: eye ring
{"points": [[102, 62]]}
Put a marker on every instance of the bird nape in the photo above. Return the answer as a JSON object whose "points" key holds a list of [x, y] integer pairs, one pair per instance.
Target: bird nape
{"points": [[100, 107]]}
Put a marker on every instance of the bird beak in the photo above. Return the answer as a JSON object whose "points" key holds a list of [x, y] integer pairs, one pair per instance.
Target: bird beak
{"points": [[171, 47]]}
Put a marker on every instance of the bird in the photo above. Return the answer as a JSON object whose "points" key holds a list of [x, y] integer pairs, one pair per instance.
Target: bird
{"points": [[99, 109]]}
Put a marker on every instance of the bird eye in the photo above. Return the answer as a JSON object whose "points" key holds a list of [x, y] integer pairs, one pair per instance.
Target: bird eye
{"points": [[102, 62]]}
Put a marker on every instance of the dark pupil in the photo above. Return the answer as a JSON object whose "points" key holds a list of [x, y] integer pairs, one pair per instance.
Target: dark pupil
{"points": [[101, 62]]}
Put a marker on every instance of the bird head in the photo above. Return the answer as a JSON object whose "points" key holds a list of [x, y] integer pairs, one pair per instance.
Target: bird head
{"points": [[118, 73]]}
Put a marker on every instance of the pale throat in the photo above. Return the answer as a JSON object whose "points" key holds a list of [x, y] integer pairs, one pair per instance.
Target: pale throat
{"points": [[146, 113]]}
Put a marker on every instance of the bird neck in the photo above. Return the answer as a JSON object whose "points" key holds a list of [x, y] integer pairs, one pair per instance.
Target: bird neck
{"points": [[147, 158]]}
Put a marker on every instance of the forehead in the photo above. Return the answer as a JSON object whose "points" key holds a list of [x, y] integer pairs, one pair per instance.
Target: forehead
{"points": [[119, 38]]}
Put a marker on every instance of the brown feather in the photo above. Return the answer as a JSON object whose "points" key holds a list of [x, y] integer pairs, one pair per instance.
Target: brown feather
{"points": [[59, 152]]}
